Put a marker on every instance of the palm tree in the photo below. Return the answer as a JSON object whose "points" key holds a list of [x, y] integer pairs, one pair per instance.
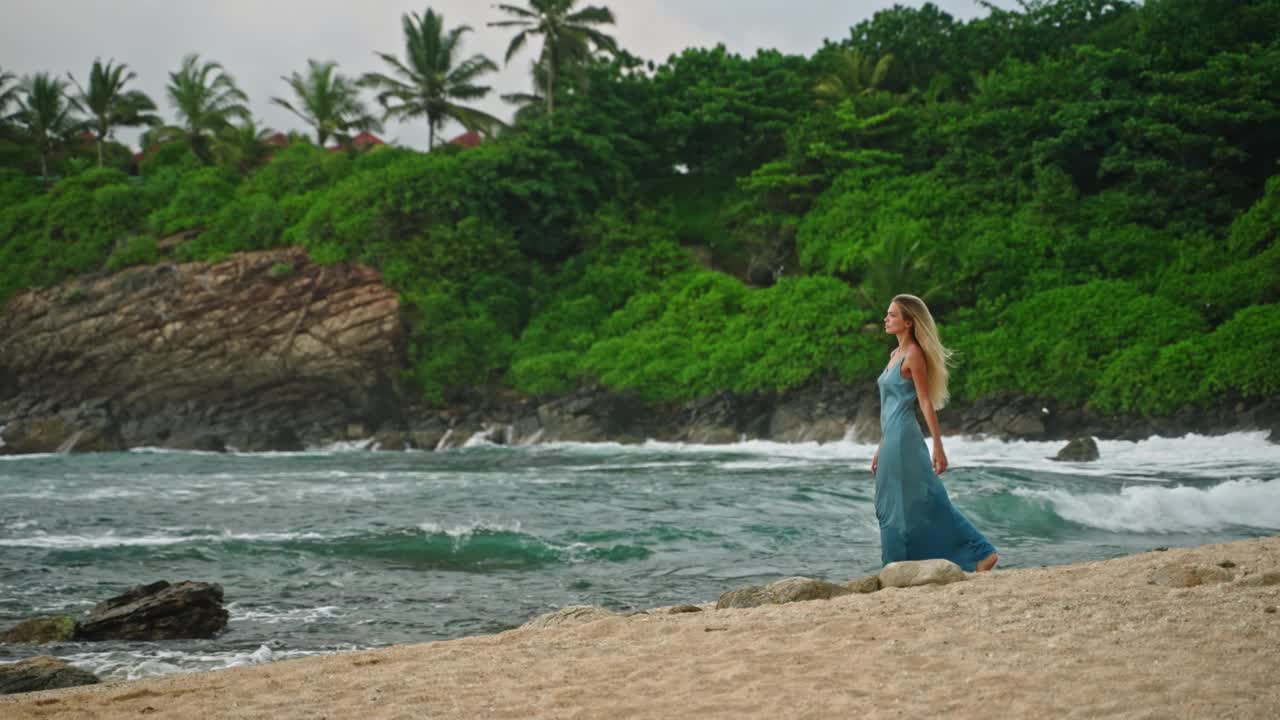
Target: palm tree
{"points": [[45, 112], [206, 99], [896, 265], [568, 37], [854, 73], [328, 102], [109, 104], [430, 78], [242, 147], [8, 94]]}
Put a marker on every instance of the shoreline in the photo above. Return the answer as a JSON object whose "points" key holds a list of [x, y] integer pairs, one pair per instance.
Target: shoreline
{"points": [[1083, 640]]}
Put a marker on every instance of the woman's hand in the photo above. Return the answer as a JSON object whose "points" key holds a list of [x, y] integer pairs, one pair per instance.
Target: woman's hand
{"points": [[875, 461], [939, 459]]}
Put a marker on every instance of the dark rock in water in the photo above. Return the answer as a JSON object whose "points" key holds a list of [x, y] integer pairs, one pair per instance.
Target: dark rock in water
{"points": [[41, 630], [792, 589], [158, 611], [42, 673], [1081, 449]]}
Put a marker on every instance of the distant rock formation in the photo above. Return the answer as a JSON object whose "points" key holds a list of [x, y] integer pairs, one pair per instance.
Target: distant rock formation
{"points": [[1081, 449], [259, 352]]}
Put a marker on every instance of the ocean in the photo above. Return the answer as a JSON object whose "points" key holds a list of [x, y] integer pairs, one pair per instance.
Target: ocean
{"points": [[340, 548]]}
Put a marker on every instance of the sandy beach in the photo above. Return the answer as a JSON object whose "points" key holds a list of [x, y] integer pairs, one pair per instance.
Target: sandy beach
{"points": [[1089, 640]]}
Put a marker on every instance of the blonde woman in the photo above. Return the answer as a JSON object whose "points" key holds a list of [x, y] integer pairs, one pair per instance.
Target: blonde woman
{"points": [[917, 519]]}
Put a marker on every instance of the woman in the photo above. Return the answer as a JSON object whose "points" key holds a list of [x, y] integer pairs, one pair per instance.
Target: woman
{"points": [[917, 520]]}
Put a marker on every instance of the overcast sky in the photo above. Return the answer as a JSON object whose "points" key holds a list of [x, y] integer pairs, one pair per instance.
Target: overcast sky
{"points": [[257, 41]]}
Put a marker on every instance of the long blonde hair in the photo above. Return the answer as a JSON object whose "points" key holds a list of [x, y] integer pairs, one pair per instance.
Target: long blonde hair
{"points": [[936, 356]]}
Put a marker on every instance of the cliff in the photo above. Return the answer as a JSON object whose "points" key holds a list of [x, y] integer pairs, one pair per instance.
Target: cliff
{"points": [[262, 351]]}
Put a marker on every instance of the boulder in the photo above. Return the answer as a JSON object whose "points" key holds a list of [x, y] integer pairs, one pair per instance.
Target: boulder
{"points": [[911, 573], [1182, 575], [792, 589], [572, 615], [868, 584], [42, 673], [159, 611], [41, 630], [1081, 449]]}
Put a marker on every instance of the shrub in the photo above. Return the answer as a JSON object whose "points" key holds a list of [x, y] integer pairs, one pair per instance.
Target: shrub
{"points": [[135, 250], [1246, 353], [1058, 343], [199, 197]]}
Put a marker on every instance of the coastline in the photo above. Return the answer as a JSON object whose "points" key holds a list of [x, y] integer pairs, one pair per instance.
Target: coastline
{"points": [[1084, 640]]}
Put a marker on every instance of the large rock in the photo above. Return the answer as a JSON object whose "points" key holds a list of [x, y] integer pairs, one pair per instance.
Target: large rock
{"points": [[1183, 575], [590, 414], [911, 573], [1020, 418], [199, 355], [792, 589], [1081, 449], [158, 611], [42, 673], [41, 630], [564, 617]]}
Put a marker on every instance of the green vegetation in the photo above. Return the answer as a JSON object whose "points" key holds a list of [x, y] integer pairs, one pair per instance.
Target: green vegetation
{"points": [[1086, 192]]}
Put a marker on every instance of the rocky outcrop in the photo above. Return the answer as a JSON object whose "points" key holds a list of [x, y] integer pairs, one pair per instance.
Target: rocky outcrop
{"points": [[573, 615], [58, 628], [263, 351], [867, 584], [158, 611], [42, 673], [912, 573], [1081, 449], [788, 590]]}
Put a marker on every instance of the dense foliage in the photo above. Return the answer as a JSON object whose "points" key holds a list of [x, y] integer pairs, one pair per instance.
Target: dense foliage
{"points": [[1086, 192]]}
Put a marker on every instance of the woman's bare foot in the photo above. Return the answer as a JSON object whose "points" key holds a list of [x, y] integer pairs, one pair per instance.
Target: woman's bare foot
{"points": [[988, 562]]}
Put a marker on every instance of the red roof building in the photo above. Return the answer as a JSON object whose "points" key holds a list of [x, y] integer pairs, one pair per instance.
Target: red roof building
{"points": [[468, 139], [366, 140]]}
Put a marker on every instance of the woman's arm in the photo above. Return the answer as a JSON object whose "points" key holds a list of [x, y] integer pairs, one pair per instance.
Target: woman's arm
{"points": [[919, 370]]}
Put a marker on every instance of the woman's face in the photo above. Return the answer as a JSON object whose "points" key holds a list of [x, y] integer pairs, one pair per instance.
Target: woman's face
{"points": [[894, 321]]}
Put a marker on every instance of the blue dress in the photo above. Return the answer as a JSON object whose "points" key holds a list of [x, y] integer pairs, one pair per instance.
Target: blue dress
{"points": [[917, 519]]}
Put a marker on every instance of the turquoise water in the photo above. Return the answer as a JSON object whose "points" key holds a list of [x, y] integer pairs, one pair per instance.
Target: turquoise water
{"points": [[339, 548]]}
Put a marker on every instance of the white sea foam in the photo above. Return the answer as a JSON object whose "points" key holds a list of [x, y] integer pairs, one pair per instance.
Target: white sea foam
{"points": [[272, 616], [458, 532], [1154, 509], [1234, 455], [85, 542], [142, 663]]}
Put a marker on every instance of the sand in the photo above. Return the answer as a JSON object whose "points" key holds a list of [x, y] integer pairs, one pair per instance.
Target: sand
{"points": [[1092, 640]]}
